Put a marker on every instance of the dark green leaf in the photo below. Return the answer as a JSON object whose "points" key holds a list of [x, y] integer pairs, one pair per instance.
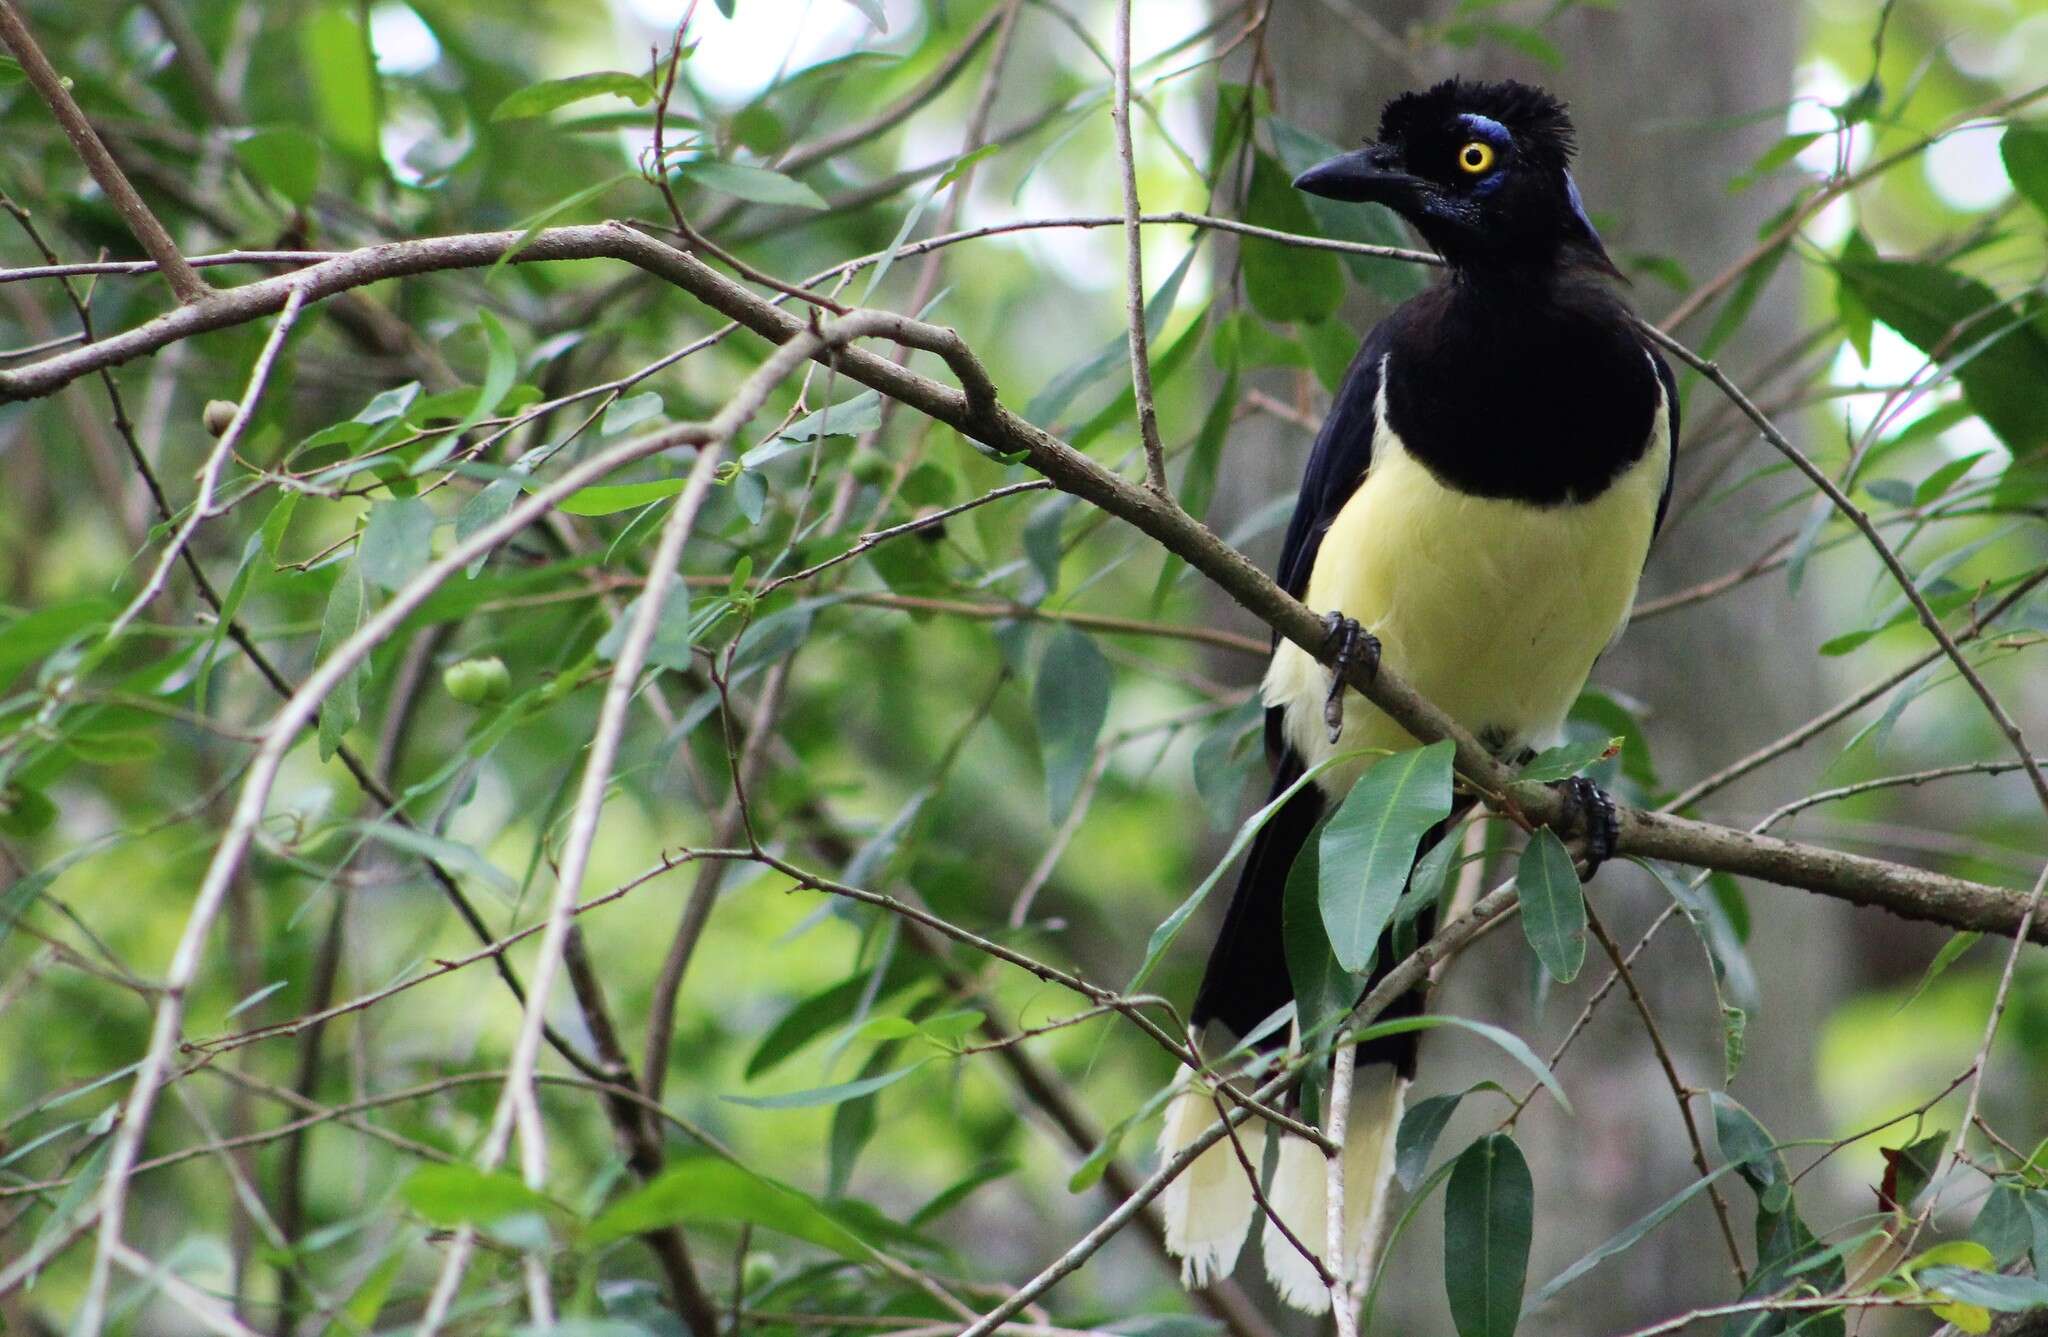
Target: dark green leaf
{"points": [[1300, 150], [1553, 905], [1420, 1128], [1489, 1212], [1323, 990], [1070, 703], [2001, 360], [821, 1012], [1369, 845], [343, 706], [1286, 283]]}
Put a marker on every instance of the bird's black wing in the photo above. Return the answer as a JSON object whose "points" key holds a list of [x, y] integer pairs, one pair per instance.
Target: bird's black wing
{"points": [[1342, 453], [1336, 466], [1670, 384]]}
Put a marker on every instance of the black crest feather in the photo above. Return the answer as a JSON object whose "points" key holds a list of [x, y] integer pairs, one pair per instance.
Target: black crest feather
{"points": [[1540, 122]]}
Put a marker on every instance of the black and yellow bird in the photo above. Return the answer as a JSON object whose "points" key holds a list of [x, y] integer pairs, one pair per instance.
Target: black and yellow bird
{"points": [[1476, 514]]}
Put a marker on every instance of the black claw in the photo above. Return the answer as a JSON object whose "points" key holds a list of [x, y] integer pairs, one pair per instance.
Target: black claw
{"points": [[1355, 648], [1591, 812]]}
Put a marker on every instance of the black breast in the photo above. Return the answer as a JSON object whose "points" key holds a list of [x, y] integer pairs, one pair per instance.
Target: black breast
{"points": [[1543, 396]]}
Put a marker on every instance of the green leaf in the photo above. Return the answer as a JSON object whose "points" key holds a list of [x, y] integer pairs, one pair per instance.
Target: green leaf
{"points": [[673, 635], [530, 227], [1286, 283], [852, 417], [1626, 1239], [1169, 928], [1323, 990], [455, 1195], [1420, 1128], [756, 185], [830, 1008], [1395, 280], [825, 1095], [541, 98], [501, 366], [1553, 905], [1369, 845], [397, 543], [701, 1188], [1112, 357], [630, 412], [284, 158], [1745, 1144], [2024, 149], [1489, 1211], [334, 54], [2000, 359], [611, 498], [1070, 703], [1515, 1047], [1569, 759], [25, 812], [344, 614], [2003, 1224], [1951, 951], [29, 638], [1991, 1290], [1772, 158]]}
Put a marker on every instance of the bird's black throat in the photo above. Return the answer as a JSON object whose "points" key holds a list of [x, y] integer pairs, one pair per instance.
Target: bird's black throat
{"points": [[1520, 382]]}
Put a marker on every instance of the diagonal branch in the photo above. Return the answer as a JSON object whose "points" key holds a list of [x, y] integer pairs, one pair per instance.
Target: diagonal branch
{"points": [[184, 280]]}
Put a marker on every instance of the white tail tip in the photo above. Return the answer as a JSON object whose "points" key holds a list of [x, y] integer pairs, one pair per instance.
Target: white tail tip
{"points": [[1209, 1207]]}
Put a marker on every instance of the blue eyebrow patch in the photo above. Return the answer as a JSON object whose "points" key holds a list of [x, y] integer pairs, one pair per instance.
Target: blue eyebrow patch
{"points": [[1488, 128]]}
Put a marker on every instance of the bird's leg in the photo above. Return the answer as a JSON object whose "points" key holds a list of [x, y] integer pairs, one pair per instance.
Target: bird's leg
{"points": [[1591, 810], [1355, 647]]}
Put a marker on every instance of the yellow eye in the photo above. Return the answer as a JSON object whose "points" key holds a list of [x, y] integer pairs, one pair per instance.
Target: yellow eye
{"points": [[1475, 157]]}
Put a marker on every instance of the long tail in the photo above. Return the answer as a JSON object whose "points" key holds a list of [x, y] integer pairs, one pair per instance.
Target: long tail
{"points": [[1209, 1209]]}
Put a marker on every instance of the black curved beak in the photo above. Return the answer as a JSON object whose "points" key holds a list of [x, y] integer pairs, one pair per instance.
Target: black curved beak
{"points": [[1368, 175]]}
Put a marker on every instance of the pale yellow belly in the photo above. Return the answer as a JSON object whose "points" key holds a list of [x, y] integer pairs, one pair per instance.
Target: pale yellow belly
{"points": [[1495, 610]]}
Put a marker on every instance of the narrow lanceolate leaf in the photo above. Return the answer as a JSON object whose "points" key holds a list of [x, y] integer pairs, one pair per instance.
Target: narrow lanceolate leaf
{"points": [[1071, 702], [1553, 905], [1627, 1238], [1370, 843], [825, 1095], [756, 185], [343, 706], [699, 1189], [541, 98], [449, 1195], [1488, 1211]]}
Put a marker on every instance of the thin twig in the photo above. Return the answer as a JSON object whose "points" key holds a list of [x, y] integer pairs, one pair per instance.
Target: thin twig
{"points": [[1134, 252], [85, 142]]}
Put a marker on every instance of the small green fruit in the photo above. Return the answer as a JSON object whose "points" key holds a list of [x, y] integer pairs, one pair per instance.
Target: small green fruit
{"points": [[478, 682]]}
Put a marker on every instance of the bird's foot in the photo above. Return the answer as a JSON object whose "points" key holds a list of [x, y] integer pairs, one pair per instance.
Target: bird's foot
{"points": [[1355, 648], [1590, 810]]}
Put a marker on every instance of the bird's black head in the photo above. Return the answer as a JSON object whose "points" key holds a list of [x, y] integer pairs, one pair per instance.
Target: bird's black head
{"points": [[1483, 172]]}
